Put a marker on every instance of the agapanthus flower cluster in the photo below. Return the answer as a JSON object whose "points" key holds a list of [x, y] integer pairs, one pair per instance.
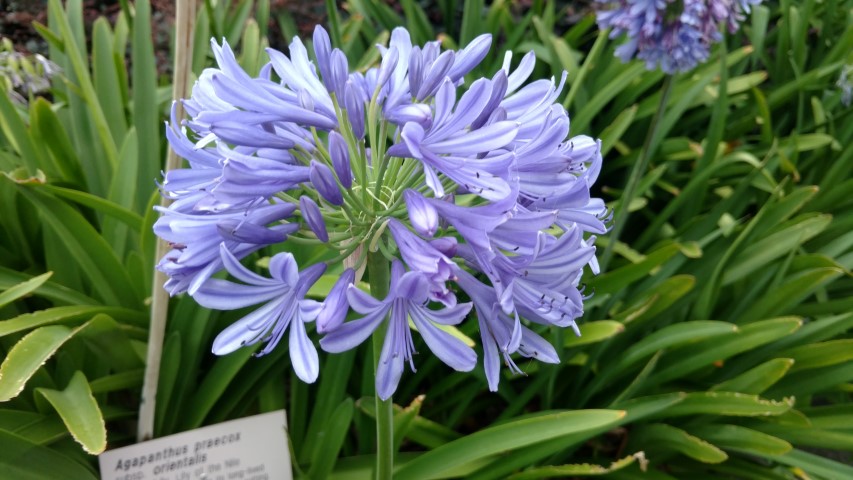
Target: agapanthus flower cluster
{"points": [[675, 35], [22, 76], [476, 197]]}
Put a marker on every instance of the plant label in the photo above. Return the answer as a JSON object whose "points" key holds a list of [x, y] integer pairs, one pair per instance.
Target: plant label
{"points": [[251, 448]]}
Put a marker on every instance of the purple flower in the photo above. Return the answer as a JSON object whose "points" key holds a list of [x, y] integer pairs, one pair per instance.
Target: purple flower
{"points": [[335, 307], [340, 159], [423, 216], [354, 99], [476, 187], [324, 182], [675, 36], [502, 334], [285, 305], [448, 148], [406, 300], [228, 89], [196, 237], [313, 217], [421, 256], [246, 177], [544, 286]]}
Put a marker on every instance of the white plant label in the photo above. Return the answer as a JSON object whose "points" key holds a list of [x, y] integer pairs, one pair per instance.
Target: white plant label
{"points": [[251, 448]]}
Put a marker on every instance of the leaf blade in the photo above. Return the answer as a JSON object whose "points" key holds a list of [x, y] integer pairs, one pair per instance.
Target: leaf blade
{"points": [[80, 412]]}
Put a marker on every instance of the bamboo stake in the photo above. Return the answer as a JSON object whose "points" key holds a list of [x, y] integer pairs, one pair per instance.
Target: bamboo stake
{"points": [[184, 26]]}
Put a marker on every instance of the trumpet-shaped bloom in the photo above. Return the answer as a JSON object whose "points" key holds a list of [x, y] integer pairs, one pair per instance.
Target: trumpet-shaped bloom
{"points": [[195, 238], [407, 299], [285, 306]]}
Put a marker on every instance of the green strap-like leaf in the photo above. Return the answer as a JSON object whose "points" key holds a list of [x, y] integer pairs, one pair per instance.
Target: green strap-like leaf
{"points": [[660, 436], [736, 437], [831, 416], [677, 365], [816, 380], [635, 410], [821, 354], [68, 314], [80, 413], [422, 431], [215, 383], [794, 290], [90, 250], [620, 278], [579, 470], [505, 437], [25, 460], [807, 436], [59, 294], [22, 289], [27, 356], [594, 332], [403, 419], [724, 403], [329, 396], [146, 113], [106, 79], [47, 129], [15, 131], [760, 253], [327, 451], [758, 379], [108, 208], [814, 464], [676, 335]]}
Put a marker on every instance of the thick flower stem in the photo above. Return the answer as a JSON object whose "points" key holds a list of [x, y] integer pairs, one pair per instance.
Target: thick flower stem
{"points": [[379, 272], [649, 145]]}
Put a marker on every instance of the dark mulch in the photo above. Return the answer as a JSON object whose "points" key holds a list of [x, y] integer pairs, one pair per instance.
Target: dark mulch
{"points": [[17, 17]]}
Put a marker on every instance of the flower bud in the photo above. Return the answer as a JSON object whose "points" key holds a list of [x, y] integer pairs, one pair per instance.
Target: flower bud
{"points": [[339, 71], [386, 68], [324, 181], [340, 158], [322, 50], [423, 216], [312, 216], [335, 307], [355, 109]]}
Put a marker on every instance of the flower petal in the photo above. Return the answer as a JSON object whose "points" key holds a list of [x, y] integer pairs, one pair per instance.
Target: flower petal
{"points": [[534, 346], [422, 215], [303, 354], [351, 334], [490, 137], [283, 268], [362, 302], [248, 330], [312, 216], [224, 295], [445, 346], [334, 310]]}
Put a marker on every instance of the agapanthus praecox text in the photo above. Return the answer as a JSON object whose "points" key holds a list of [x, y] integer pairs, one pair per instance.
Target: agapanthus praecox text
{"points": [[675, 35], [476, 196]]}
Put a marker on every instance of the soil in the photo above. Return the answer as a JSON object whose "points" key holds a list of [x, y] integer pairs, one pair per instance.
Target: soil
{"points": [[17, 17]]}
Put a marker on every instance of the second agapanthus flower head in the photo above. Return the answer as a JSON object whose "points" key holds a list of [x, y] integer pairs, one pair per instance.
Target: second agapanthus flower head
{"points": [[474, 192], [673, 35]]}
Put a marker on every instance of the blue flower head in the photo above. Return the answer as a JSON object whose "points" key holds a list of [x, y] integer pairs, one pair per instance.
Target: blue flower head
{"points": [[476, 190], [674, 36]]}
